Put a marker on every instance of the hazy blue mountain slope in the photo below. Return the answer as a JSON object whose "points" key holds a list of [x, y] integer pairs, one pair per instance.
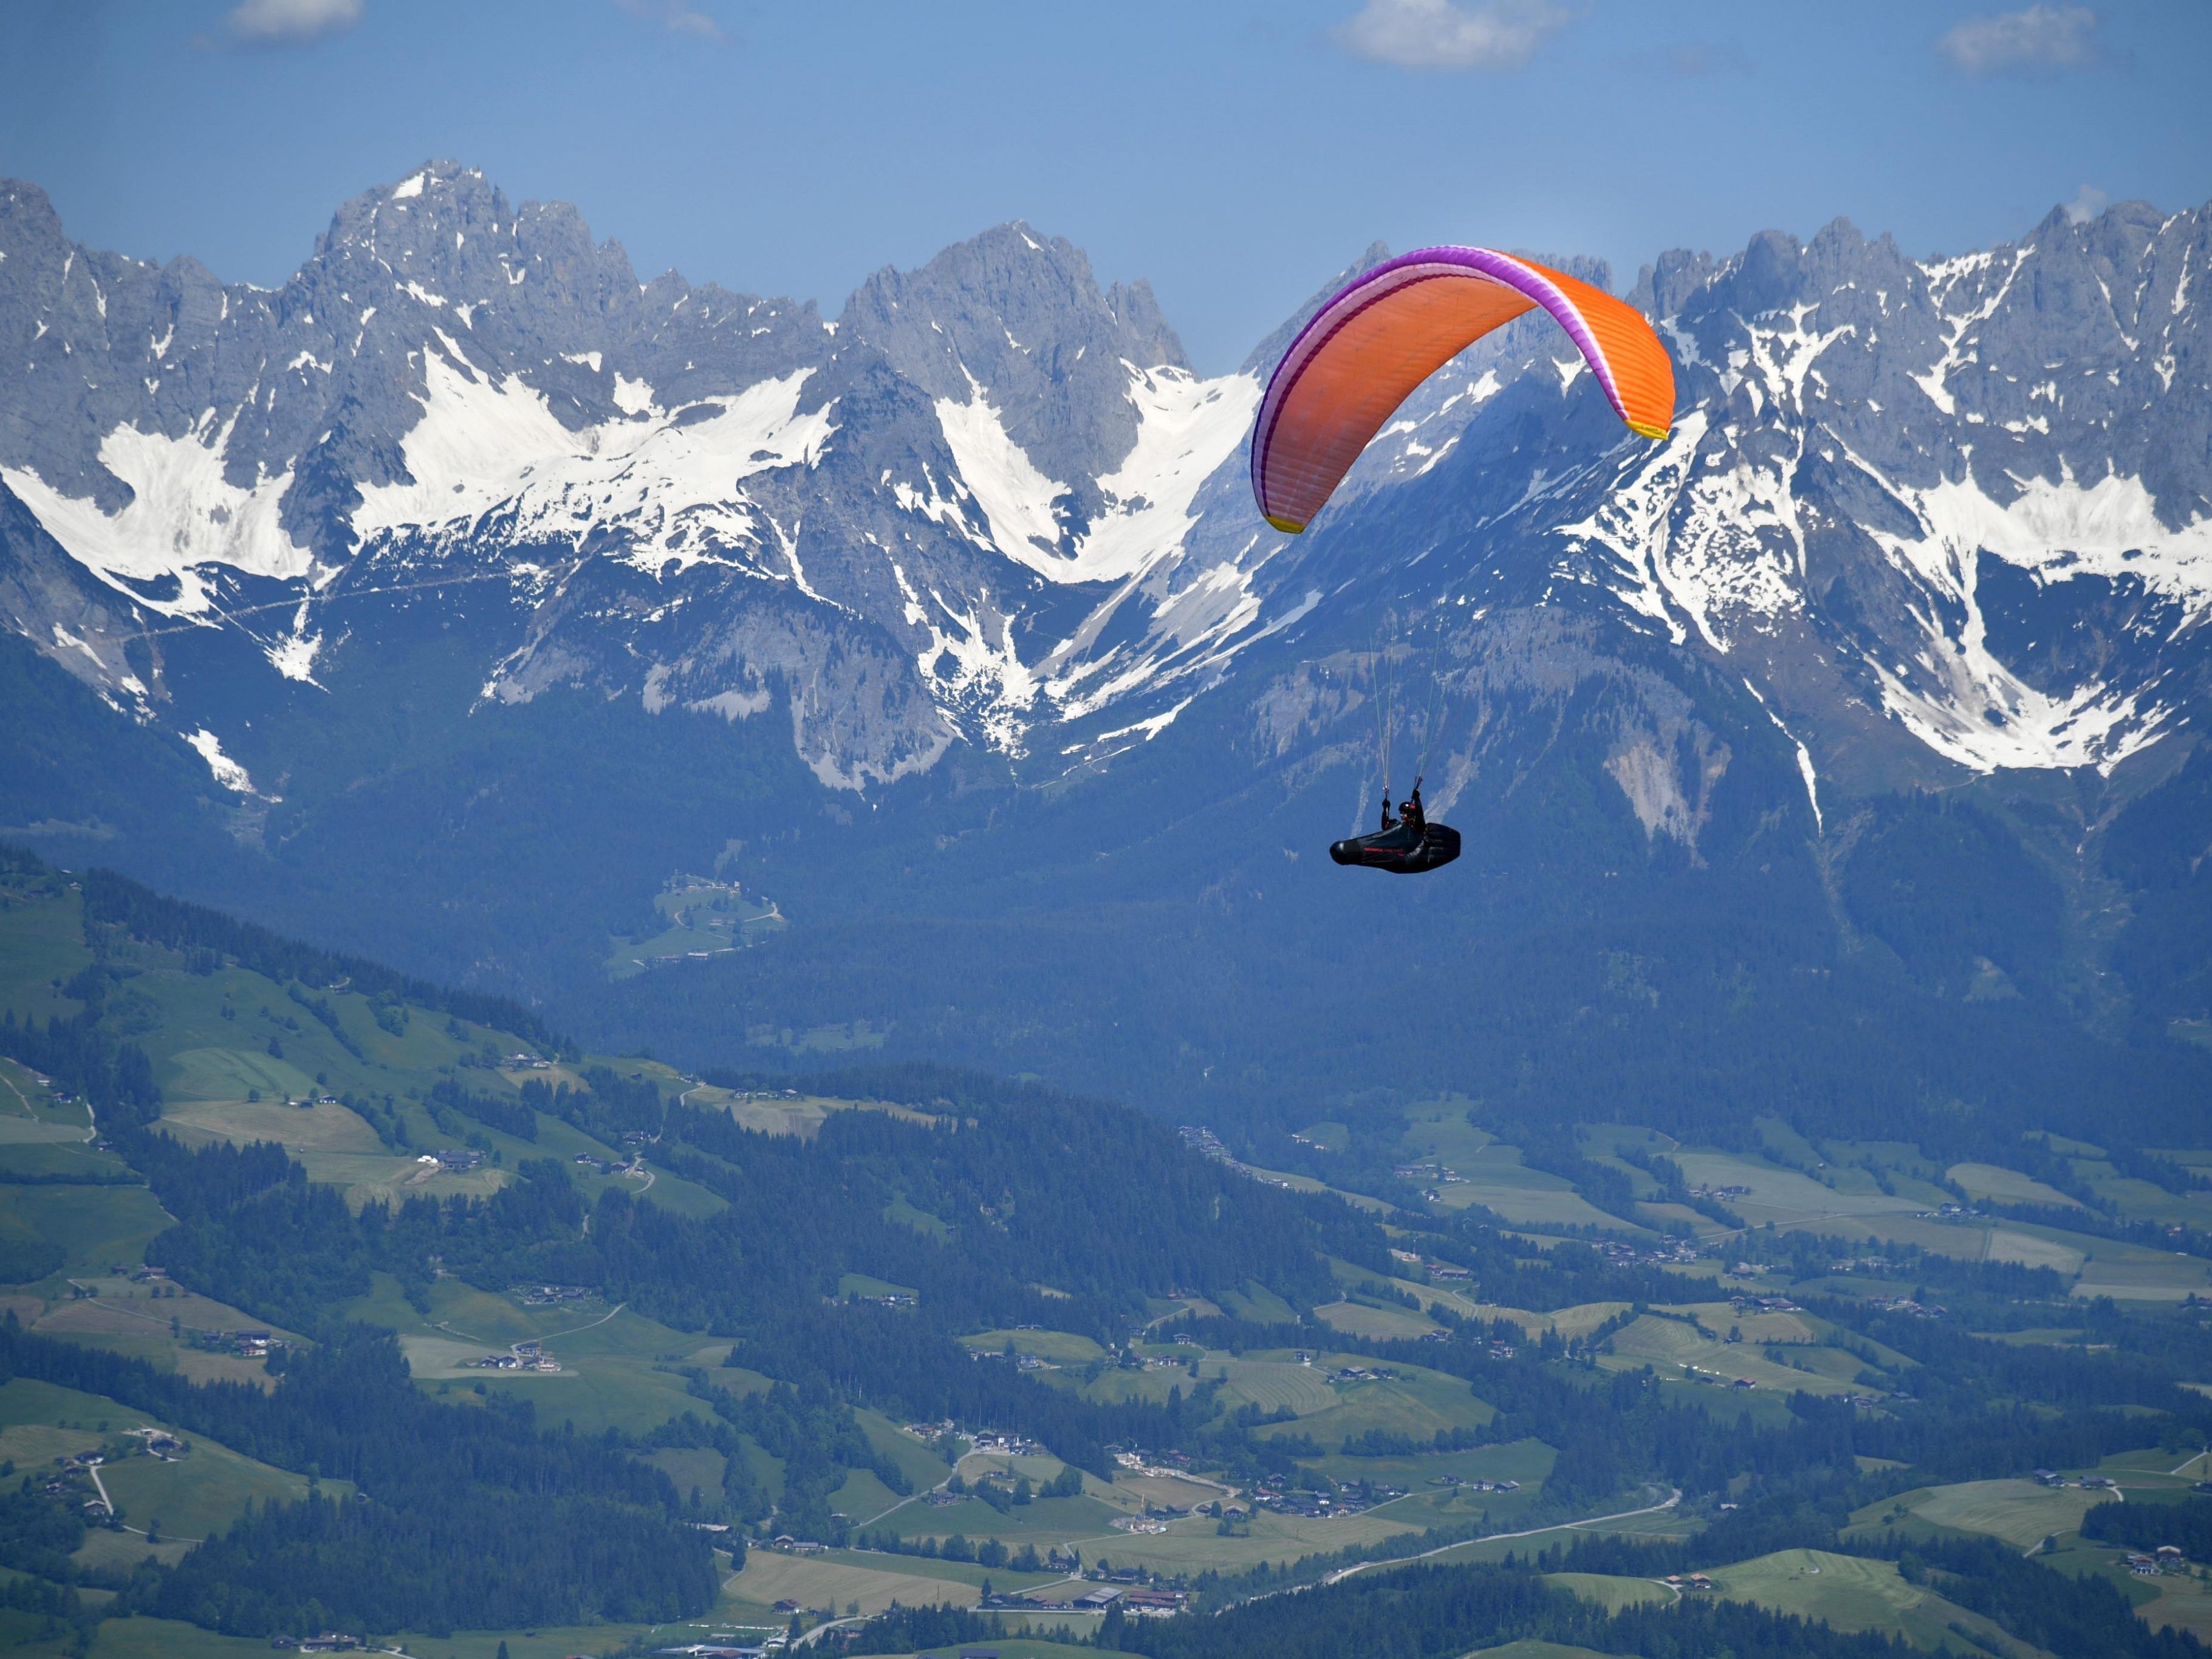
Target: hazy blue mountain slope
{"points": [[1840, 748]]}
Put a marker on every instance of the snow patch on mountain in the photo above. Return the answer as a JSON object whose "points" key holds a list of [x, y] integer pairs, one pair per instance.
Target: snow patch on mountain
{"points": [[1962, 700], [1187, 428], [294, 656], [1698, 533], [1944, 277], [1016, 498], [2061, 531], [673, 483], [183, 515], [1969, 707], [226, 772]]}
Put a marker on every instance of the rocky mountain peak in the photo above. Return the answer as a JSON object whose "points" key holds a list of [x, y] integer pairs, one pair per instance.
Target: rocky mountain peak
{"points": [[1018, 322], [1940, 515]]}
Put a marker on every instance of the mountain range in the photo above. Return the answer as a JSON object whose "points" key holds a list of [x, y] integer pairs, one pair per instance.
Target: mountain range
{"points": [[1839, 751]]}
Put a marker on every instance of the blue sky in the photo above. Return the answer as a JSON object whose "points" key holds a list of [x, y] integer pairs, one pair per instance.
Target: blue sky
{"points": [[1234, 152]]}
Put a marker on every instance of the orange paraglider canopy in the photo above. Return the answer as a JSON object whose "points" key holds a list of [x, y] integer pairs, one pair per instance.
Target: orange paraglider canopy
{"points": [[1377, 339]]}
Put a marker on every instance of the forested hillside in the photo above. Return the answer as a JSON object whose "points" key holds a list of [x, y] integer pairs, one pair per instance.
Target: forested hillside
{"points": [[555, 1339]]}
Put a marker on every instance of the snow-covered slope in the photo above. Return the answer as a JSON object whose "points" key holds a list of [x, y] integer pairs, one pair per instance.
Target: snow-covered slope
{"points": [[1944, 517]]}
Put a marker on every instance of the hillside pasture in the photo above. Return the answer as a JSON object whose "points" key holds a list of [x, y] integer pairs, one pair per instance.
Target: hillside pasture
{"points": [[1527, 1461], [1043, 1523], [1851, 1593], [318, 1128], [124, 1318], [201, 1494], [922, 1467], [42, 943], [1062, 1347], [1786, 1329], [951, 1572], [142, 1638], [98, 1227], [194, 1497], [818, 1582], [392, 1178], [1675, 1347], [25, 1128], [2019, 1512], [1612, 1591], [1375, 1323], [234, 1074], [1195, 1545], [1570, 1323], [2132, 1273], [1996, 1183], [802, 1116], [1271, 1384], [1786, 1197], [2181, 1604], [1413, 1403]]}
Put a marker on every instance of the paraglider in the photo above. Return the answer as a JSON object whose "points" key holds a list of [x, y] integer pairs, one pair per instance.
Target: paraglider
{"points": [[1363, 354], [1387, 331], [1405, 845]]}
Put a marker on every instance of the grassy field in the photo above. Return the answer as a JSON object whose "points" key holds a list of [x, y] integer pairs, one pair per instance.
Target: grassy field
{"points": [[193, 1497], [1193, 1545], [127, 1319], [618, 1369], [802, 1115], [1259, 1303], [1376, 1324], [1527, 1461], [1491, 1174], [2131, 1272], [1853, 1593], [41, 942], [2019, 1511], [951, 1572], [1610, 1590], [2002, 1185], [1030, 1647], [331, 1128], [99, 1227], [141, 1637], [820, 1581], [922, 1467], [703, 916], [1577, 1321], [1045, 1522], [1784, 1197], [1413, 1402], [1062, 1347], [1534, 1649], [1673, 1347], [1272, 1384], [2179, 1603], [200, 1495]]}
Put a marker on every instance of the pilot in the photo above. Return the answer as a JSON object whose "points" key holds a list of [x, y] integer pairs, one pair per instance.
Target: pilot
{"points": [[1415, 817]]}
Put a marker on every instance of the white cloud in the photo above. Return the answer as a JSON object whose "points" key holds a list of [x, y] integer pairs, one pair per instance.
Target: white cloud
{"points": [[291, 21], [675, 16], [2088, 202], [1490, 35], [2036, 41]]}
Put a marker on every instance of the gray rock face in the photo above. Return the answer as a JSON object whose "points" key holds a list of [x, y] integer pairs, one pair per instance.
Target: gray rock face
{"points": [[1941, 517], [1022, 322]]}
